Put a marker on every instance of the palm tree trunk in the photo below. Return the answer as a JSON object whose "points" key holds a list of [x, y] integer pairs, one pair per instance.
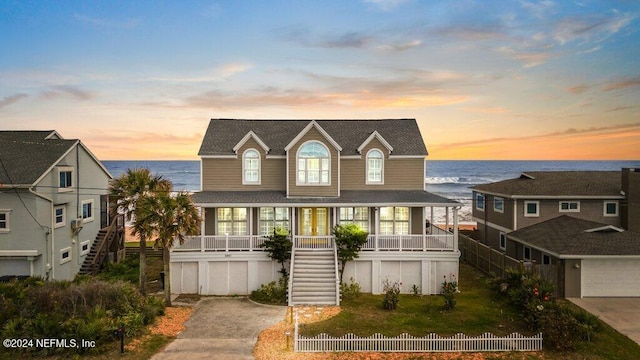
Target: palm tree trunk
{"points": [[167, 276], [143, 265]]}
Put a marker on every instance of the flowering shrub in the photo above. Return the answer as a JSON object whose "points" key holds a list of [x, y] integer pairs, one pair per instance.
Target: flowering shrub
{"points": [[391, 294], [350, 291], [449, 291]]}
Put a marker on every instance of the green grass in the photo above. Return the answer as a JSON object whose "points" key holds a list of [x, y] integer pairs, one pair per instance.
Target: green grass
{"points": [[477, 311]]}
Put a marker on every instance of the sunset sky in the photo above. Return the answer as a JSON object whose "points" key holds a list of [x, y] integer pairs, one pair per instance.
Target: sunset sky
{"points": [[484, 79]]}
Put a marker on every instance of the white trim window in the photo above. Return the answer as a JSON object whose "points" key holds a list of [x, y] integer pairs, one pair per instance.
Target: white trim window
{"points": [[314, 164], [65, 255], [87, 211], [355, 215], [480, 202], [546, 259], [65, 178], [375, 167], [569, 206], [271, 218], [526, 253], [610, 208], [59, 215], [85, 247], [498, 204], [532, 208], [251, 167], [503, 241], [5, 220], [394, 220], [232, 221]]}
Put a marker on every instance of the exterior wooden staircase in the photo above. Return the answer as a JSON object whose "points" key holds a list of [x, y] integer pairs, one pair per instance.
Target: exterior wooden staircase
{"points": [[313, 277], [106, 239]]}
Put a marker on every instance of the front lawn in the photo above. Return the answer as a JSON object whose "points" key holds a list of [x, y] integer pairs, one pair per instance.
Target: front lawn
{"points": [[477, 311]]}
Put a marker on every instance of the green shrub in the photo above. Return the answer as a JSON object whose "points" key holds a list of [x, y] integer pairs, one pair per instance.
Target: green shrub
{"points": [[449, 291], [272, 293], [391, 294], [350, 291]]}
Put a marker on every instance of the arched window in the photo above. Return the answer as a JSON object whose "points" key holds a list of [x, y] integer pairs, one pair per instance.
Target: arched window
{"points": [[375, 161], [251, 167], [314, 163]]}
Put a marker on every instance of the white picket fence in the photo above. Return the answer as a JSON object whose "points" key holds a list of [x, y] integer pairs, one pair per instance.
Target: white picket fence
{"points": [[407, 343]]}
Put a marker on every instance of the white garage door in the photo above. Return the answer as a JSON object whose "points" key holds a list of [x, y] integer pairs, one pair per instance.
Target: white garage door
{"points": [[611, 277]]}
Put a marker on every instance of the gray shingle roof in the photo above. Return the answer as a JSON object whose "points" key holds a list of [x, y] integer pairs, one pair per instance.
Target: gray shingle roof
{"points": [[391, 197], [26, 155], [558, 183], [566, 235], [402, 134]]}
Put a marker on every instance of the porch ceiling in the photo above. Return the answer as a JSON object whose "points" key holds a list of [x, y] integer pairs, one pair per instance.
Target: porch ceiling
{"points": [[416, 198]]}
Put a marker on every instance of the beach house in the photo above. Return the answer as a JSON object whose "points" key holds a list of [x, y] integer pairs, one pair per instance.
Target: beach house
{"points": [[52, 204], [583, 227], [307, 176]]}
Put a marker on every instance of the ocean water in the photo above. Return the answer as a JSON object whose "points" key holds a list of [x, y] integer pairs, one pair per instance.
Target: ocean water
{"points": [[450, 179]]}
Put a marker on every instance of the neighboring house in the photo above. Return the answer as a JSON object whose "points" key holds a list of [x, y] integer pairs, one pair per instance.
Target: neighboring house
{"points": [[307, 176], [581, 227], [588, 258], [52, 204]]}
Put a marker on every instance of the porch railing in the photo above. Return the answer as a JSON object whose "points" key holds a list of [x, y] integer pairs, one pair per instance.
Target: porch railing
{"points": [[433, 242]]}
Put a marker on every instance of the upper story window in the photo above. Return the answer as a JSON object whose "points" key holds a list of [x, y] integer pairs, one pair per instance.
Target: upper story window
{"points": [[314, 163], [251, 168], [498, 205], [480, 202], [87, 210], [5, 224], [59, 215], [375, 162], [65, 178], [610, 208], [531, 208], [569, 206], [503, 241]]}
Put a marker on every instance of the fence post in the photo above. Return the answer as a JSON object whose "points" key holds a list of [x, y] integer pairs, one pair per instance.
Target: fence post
{"points": [[295, 334]]}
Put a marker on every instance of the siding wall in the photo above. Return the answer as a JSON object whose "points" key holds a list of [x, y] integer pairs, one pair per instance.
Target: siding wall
{"points": [[589, 210]]}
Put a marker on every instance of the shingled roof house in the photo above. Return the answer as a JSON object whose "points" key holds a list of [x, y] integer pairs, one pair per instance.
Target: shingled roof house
{"points": [[52, 204], [307, 176], [585, 225]]}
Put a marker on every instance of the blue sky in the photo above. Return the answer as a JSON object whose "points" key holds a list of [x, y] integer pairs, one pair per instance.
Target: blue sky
{"points": [[484, 79]]}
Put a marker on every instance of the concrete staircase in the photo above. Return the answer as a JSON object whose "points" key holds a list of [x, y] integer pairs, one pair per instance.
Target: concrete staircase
{"points": [[313, 277]]}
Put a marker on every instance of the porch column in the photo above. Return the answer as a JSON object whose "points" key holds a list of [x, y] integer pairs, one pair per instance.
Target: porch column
{"points": [[376, 217], [202, 227], [424, 230], [292, 225], [431, 215], [446, 218], [251, 228], [455, 228]]}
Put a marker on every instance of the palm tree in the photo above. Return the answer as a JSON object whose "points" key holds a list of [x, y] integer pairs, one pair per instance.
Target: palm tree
{"points": [[171, 217], [125, 194]]}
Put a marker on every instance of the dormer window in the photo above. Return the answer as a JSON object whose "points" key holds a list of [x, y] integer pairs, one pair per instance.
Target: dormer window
{"points": [[251, 168], [314, 163], [375, 161]]}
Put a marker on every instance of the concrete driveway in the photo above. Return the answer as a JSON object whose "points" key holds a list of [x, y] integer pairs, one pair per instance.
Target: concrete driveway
{"points": [[622, 314], [222, 328]]}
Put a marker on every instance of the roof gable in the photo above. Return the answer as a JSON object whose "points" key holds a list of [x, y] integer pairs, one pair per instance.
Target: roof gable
{"points": [[251, 135], [375, 135], [312, 124]]}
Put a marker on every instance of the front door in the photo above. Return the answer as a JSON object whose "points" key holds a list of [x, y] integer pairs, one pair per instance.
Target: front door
{"points": [[314, 221]]}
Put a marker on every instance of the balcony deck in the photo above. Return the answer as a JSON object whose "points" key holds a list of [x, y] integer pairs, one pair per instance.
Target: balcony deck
{"points": [[436, 240]]}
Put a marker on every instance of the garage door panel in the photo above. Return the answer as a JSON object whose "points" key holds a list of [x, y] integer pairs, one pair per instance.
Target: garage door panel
{"points": [[614, 278]]}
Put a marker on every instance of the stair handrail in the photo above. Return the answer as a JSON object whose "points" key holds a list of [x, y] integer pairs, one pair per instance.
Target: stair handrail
{"points": [[335, 261], [290, 280], [106, 239]]}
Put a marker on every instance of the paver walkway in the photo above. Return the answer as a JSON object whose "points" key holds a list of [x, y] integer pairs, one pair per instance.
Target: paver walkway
{"points": [[222, 328], [622, 314]]}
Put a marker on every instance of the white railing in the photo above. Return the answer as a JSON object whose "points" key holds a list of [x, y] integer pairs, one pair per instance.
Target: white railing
{"points": [[221, 243], [313, 242], [409, 242], [335, 264], [407, 343]]}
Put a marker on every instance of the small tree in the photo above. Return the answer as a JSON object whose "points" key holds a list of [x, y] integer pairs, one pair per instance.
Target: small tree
{"points": [[279, 246], [349, 240]]}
